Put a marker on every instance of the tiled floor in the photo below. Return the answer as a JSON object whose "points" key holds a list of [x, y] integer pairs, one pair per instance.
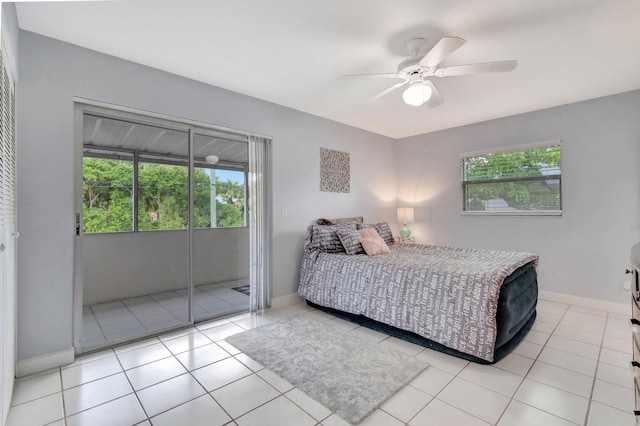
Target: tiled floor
{"points": [[571, 369], [121, 320]]}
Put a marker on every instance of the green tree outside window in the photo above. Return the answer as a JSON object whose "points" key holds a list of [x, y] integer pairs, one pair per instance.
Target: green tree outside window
{"points": [[163, 197]]}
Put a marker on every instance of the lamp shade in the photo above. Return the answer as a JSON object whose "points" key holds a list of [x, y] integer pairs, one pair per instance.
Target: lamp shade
{"points": [[416, 94], [405, 215]]}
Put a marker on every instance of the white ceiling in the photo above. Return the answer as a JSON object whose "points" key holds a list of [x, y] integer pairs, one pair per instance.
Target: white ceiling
{"points": [[291, 52]]}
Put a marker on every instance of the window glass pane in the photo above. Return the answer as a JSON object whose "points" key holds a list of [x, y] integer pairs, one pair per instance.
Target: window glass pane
{"points": [[517, 181], [204, 180], [230, 198], [163, 196], [514, 196], [228, 189], [513, 164], [107, 190]]}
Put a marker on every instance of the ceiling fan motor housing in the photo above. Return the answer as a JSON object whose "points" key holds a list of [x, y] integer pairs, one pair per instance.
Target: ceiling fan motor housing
{"points": [[410, 65]]}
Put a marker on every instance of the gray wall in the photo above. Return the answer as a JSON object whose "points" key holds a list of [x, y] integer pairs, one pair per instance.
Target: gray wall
{"points": [[130, 264], [53, 72], [585, 251]]}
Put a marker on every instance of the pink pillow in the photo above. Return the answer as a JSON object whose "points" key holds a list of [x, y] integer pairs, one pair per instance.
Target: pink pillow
{"points": [[369, 233], [374, 246]]}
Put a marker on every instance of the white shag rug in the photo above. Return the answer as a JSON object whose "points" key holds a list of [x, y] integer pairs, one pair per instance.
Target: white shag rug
{"points": [[346, 373]]}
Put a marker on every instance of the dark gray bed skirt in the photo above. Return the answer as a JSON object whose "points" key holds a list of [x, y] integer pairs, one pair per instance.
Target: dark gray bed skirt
{"points": [[515, 317]]}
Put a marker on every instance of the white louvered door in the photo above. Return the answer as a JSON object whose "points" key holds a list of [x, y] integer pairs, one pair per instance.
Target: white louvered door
{"points": [[8, 235]]}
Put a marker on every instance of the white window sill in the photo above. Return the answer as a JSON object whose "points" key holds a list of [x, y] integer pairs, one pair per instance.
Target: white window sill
{"points": [[514, 213]]}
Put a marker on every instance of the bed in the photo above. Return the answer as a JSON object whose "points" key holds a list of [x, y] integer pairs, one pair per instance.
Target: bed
{"points": [[474, 304]]}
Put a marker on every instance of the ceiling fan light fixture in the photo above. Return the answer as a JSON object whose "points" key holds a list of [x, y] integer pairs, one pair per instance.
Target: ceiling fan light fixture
{"points": [[417, 94]]}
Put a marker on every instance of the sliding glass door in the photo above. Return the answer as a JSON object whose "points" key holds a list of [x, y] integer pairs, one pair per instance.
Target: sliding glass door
{"points": [[163, 235], [220, 235], [135, 221]]}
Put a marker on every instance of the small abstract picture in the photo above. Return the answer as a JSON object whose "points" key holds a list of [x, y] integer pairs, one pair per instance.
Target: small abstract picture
{"points": [[335, 173]]}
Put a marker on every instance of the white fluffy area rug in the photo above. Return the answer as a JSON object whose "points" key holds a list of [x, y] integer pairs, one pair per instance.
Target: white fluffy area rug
{"points": [[346, 373]]}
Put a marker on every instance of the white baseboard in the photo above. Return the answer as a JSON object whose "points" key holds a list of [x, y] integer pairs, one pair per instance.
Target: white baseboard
{"points": [[286, 300], [44, 362], [585, 302]]}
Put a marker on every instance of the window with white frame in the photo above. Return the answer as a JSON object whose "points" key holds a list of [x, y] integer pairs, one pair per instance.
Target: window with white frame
{"points": [[517, 181]]}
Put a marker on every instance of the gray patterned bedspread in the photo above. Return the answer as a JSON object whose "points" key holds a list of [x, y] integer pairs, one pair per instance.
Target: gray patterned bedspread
{"points": [[448, 295]]}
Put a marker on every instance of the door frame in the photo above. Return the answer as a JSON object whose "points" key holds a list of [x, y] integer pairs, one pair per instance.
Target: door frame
{"points": [[82, 106]]}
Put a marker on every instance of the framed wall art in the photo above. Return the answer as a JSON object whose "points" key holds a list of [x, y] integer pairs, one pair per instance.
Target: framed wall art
{"points": [[335, 173]]}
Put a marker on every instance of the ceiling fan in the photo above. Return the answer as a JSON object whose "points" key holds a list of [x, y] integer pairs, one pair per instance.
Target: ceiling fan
{"points": [[417, 71]]}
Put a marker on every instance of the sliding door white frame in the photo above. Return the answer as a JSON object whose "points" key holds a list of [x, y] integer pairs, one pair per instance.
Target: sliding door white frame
{"points": [[191, 242]]}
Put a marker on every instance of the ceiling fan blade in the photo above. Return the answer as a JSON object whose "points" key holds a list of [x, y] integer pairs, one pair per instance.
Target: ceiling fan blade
{"points": [[435, 99], [387, 91], [503, 66], [445, 47], [376, 75]]}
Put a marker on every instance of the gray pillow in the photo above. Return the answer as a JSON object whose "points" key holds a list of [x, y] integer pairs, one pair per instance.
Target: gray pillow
{"points": [[385, 232], [350, 239], [322, 221], [324, 238]]}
